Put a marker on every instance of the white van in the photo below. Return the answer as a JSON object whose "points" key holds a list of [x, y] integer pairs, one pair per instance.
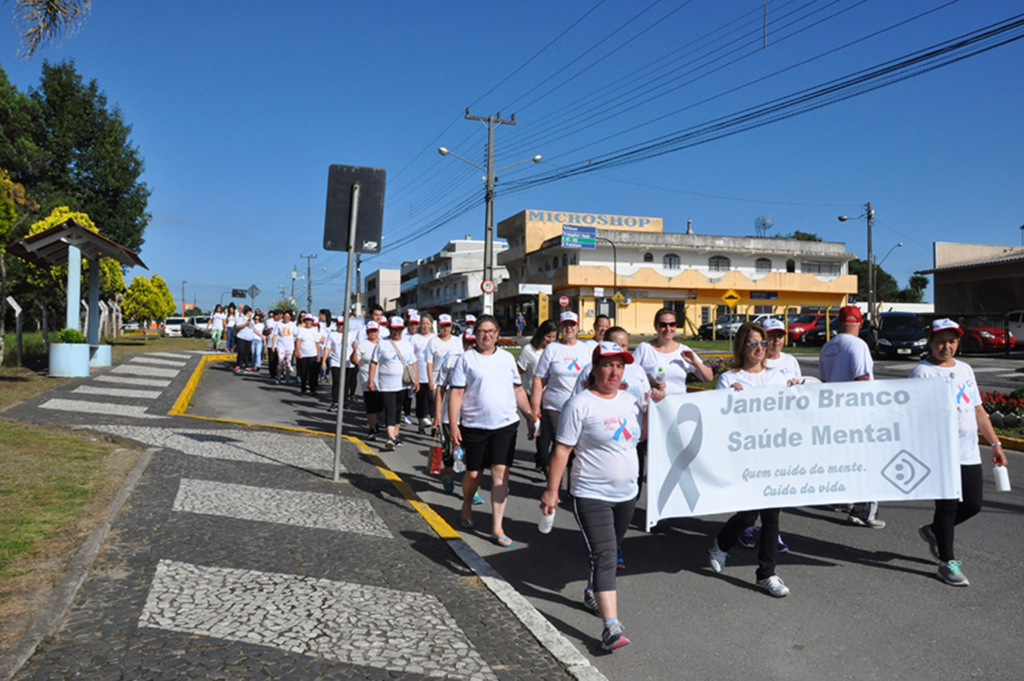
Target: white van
{"points": [[1015, 322]]}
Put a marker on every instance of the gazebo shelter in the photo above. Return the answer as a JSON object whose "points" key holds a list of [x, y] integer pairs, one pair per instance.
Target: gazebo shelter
{"points": [[66, 244]]}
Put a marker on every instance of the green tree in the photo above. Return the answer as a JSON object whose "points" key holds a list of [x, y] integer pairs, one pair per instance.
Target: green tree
{"points": [[147, 300], [46, 21], [111, 278], [19, 117], [91, 164], [8, 215]]}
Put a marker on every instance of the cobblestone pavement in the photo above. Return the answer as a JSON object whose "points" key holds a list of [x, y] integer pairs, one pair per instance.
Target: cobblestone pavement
{"points": [[237, 557]]}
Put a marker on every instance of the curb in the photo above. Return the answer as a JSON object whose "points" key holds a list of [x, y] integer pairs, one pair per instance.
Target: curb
{"points": [[575, 663], [57, 605]]}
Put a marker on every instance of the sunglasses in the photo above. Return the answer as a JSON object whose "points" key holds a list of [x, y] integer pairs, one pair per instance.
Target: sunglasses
{"points": [[754, 344], [666, 325]]}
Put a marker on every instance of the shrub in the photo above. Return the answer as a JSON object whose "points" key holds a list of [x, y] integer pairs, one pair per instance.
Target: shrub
{"points": [[70, 336]]}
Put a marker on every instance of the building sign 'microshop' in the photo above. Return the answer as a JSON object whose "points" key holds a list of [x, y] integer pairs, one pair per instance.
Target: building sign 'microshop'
{"points": [[589, 219]]}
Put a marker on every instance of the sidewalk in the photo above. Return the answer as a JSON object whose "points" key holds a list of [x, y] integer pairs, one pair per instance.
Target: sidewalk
{"points": [[237, 556]]}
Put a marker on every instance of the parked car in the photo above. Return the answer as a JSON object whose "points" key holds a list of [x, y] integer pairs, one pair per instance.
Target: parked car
{"points": [[900, 334], [725, 326], [802, 323], [171, 327], [195, 327], [817, 336], [983, 335]]}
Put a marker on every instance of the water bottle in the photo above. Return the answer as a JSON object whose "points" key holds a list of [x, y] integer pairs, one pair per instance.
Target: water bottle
{"points": [[459, 465], [659, 375], [1002, 478], [546, 522]]}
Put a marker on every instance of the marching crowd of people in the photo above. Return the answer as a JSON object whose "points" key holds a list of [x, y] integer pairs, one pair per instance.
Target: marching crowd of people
{"points": [[585, 404]]}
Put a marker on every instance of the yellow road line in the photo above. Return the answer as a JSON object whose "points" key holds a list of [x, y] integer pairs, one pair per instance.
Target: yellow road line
{"points": [[436, 522]]}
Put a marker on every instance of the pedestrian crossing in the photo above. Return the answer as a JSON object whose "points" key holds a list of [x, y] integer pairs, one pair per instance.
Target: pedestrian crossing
{"points": [[126, 390]]}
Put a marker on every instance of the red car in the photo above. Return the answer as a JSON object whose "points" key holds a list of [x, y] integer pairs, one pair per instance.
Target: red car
{"points": [[983, 335], [802, 323]]}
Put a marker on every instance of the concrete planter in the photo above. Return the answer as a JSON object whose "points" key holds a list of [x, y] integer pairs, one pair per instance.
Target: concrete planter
{"points": [[69, 359], [99, 355]]}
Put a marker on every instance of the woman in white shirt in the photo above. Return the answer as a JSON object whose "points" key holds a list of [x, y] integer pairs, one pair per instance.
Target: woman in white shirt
{"points": [[602, 425], [258, 326], [387, 367], [557, 371], [362, 354], [666, 362], [749, 370], [485, 390], [215, 325], [943, 341]]}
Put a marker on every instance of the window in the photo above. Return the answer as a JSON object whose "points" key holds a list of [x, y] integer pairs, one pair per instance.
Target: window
{"points": [[463, 289], [762, 265], [670, 261], [762, 309], [565, 259], [679, 307], [791, 265], [831, 269], [648, 257], [719, 263], [705, 314], [554, 263]]}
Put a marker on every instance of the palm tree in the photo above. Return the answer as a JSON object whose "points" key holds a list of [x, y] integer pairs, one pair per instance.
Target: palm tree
{"points": [[44, 21]]}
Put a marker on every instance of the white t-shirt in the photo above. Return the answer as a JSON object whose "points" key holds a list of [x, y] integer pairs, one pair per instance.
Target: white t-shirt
{"points": [[307, 340], [749, 380], [231, 321], [269, 326], [845, 358], [785, 364], [420, 344], [603, 434], [439, 351], [245, 333], [490, 382], [365, 349], [337, 345], [217, 321], [284, 332], [389, 363], [675, 367], [963, 390], [257, 330], [634, 381], [527, 361], [442, 379], [561, 365]]}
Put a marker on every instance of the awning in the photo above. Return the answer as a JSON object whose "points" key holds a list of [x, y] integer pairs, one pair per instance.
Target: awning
{"points": [[50, 248]]}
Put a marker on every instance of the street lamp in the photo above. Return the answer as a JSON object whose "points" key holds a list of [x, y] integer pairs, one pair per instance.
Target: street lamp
{"points": [[183, 282], [888, 253], [222, 297], [615, 274], [489, 180], [870, 215]]}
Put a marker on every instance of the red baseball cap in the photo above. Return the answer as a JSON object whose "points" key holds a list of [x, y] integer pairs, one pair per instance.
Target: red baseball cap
{"points": [[850, 314]]}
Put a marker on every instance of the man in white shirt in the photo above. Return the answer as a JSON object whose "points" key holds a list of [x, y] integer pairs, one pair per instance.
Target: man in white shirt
{"points": [[847, 358], [424, 394]]}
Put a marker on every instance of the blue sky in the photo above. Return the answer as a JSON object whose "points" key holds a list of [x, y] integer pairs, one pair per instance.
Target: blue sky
{"points": [[239, 109]]}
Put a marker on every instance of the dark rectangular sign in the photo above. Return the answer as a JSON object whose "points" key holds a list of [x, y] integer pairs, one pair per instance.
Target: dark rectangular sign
{"points": [[764, 295], [370, 218]]}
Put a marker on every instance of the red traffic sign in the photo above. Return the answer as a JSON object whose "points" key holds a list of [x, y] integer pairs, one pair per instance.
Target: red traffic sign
{"points": [[564, 301], [487, 286]]}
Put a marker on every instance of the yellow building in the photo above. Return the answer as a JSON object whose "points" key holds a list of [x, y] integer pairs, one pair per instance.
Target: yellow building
{"points": [[651, 269]]}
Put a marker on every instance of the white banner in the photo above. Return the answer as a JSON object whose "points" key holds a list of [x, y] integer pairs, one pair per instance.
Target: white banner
{"points": [[721, 451]]}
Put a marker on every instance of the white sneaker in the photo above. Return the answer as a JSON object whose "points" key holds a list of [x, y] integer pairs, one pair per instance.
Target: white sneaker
{"points": [[773, 586], [716, 557], [407, 420]]}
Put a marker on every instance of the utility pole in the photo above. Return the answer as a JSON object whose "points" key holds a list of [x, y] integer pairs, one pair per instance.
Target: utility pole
{"points": [[309, 281], [359, 285], [294, 277], [489, 200], [183, 298]]}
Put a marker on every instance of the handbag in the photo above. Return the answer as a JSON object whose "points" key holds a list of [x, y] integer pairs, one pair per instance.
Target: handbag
{"points": [[436, 453], [408, 372]]}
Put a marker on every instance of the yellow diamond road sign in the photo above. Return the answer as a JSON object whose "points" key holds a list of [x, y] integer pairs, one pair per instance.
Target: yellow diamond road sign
{"points": [[730, 298], [619, 298]]}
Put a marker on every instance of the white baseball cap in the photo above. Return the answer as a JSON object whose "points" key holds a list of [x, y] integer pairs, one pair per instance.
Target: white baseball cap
{"points": [[610, 349], [372, 326], [773, 324], [945, 324], [568, 318], [470, 318], [444, 319], [469, 335], [396, 323]]}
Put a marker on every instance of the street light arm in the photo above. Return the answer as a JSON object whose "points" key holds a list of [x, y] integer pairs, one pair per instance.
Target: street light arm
{"points": [[445, 152], [536, 159]]}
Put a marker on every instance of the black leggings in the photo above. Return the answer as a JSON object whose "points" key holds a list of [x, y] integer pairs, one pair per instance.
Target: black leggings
{"points": [[768, 543], [244, 358], [951, 512], [604, 524], [424, 402]]}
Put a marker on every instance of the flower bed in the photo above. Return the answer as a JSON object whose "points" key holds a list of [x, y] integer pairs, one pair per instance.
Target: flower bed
{"points": [[1006, 410]]}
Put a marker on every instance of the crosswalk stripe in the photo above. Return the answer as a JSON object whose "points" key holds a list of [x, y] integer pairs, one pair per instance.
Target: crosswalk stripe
{"points": [[144, 359], [403, 631], [272, 448], [175, 355], [1016, 374], [116, 392], [89, 407], [132, 380], [143, 370], [268, 505]]}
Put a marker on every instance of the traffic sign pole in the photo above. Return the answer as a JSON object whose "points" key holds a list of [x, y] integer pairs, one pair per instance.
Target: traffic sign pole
{"points": [[339, 421]]}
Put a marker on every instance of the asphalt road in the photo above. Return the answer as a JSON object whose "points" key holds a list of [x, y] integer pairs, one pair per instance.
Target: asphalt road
{"points": [[864, 604]]}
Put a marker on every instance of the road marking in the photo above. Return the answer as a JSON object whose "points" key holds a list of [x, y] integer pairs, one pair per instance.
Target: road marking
{"points": [[143, 370], [87, 407], [133, 380], [987, 370], [285, 507], [278, 449], [176, 355], [1016, 374], [116, 392], [404, 631], [145, 359]]}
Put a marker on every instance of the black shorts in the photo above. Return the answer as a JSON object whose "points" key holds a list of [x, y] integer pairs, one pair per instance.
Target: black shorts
{"points": [[373, 401], [484, 447], [391, 402]]}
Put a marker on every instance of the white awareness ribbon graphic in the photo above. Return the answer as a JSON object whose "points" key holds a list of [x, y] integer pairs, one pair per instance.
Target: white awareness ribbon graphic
{"points": [[685, 452]]}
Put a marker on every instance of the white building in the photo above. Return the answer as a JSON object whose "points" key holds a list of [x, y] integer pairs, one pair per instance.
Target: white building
{"points": [[383, 288], [449, 280]]}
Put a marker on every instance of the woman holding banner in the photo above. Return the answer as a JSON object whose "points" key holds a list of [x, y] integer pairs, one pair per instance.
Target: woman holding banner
{"points": [[943, 341], [602, 425], [749, 370]]}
